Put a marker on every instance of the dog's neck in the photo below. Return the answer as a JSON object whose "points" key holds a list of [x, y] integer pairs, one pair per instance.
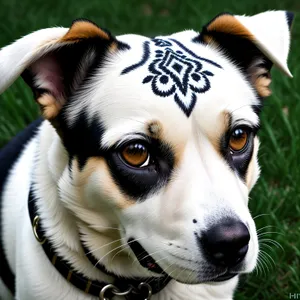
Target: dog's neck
{"points": [[68, 223]]}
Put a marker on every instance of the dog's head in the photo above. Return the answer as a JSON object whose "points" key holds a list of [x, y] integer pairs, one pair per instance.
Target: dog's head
{"points": [[161, 137]]}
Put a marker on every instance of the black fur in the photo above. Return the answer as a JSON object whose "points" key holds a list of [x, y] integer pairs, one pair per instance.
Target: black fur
{"points": [[175, 72], [82, 139]]}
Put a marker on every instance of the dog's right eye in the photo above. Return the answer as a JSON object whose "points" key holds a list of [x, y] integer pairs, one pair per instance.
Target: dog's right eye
{"points": [[136, 155], [140, 166]]}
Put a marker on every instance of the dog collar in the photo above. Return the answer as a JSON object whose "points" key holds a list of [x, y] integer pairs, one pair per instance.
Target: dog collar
{"points": [[131, 289]]}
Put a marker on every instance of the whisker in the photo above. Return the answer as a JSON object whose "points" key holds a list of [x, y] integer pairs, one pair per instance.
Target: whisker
{"points": [[266, 245], [118, 248], [261, 215], [104, 227], [125, 247], [164, 271], [262, 264], [269, 232], [115, 241], [275, 243], [259, 267], [265, 260], [260, 229], [272, 260], [149, 255]]}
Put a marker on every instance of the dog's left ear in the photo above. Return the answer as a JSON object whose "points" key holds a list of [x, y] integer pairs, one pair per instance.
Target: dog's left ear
{"points": [[253, 43], [56, 62]]}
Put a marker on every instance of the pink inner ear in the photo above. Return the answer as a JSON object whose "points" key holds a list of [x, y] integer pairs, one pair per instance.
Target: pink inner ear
{"points": [[48, 75]]}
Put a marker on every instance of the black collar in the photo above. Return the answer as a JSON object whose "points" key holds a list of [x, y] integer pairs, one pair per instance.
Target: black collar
{"points": [[133, 289]]}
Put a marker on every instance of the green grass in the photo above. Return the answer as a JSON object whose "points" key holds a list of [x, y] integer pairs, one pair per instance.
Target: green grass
{"points": [[277, 193]]}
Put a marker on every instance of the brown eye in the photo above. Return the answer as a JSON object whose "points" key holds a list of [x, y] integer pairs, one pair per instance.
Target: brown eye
{"points": [[238, 139], [135, 154]]}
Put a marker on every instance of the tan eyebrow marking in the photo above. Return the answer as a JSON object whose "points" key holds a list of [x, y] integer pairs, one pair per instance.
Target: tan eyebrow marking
{"points": [[154, 129]]}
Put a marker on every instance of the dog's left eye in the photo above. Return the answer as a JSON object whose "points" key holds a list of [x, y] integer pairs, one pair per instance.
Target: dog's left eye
{"points": [[136, 155]]}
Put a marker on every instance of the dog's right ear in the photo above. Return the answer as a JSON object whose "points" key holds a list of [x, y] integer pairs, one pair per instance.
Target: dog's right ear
{"points": [[55, 62], [252, 43]]}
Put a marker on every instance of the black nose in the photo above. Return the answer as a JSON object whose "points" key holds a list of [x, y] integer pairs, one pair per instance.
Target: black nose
{"points": [[226, 244]]}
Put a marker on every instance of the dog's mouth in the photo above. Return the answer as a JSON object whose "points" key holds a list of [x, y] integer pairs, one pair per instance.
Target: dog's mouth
{"points": [[144, 258], [149, 263], [224, 277]]}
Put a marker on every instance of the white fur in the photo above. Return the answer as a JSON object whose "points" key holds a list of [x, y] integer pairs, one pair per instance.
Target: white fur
{"points": [[202, 186], [271, 36]]}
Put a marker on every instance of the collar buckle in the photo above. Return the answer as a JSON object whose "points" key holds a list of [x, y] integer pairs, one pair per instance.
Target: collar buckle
{"points": [[35, 225], [116, 292]]}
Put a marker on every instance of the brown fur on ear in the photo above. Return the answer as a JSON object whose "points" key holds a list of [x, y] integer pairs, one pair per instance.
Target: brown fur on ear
{"points": [[260, 78], [227, 24], [262, 86], [84, 29], [56, 75], [49, 105]]}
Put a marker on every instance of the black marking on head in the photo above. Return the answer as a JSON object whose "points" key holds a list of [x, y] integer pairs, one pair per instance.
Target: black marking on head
{"points": [[174, 70], [83, 139], [140, 182], [142, 61], [196, 56]]}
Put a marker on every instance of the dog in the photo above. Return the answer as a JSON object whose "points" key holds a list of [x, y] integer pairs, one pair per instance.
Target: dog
{"points": [[134, 183]]}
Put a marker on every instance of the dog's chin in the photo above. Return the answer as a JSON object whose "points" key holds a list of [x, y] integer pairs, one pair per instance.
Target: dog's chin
{"points": [[196, 277]]}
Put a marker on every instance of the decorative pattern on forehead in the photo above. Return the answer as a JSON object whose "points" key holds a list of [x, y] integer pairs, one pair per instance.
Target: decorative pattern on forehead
{"points": [[175, 71]]}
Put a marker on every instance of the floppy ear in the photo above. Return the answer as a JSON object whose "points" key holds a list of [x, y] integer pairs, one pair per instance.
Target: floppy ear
{"points": [[55, 62], [253, 43]]}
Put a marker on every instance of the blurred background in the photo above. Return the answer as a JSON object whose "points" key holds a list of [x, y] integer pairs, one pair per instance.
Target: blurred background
{"points": [[275, 201]]}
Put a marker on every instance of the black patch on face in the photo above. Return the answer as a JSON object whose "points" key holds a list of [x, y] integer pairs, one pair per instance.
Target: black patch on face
{"points": [[82, 139], [140, 182]]}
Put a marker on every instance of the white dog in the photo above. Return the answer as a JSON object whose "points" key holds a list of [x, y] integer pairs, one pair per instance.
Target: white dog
{"points": [[136, 181]]}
